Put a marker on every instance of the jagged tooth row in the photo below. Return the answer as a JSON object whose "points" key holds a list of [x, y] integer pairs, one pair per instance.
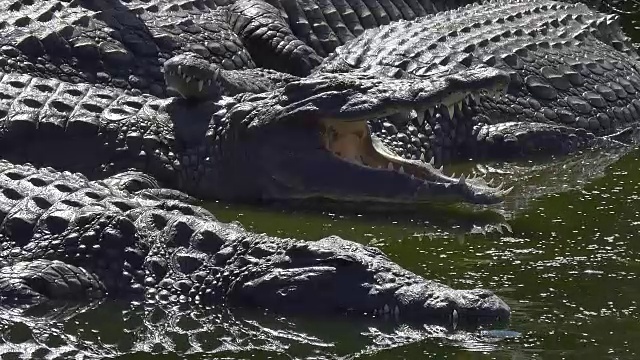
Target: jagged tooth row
{"points": [[450, 108], [386, 311], [188, 79]]}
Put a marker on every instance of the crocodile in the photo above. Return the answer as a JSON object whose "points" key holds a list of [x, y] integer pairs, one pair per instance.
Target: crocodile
{"points": [[64, 237], [574, 80], [305, 140], [124, 44]]}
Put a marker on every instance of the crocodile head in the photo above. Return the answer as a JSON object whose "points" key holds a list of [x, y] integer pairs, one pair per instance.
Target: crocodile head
{"points": [[310, 139], [336, 276]]}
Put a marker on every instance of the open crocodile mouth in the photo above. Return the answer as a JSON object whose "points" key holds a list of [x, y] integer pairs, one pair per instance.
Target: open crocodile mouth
{"points": [[352, 142]]}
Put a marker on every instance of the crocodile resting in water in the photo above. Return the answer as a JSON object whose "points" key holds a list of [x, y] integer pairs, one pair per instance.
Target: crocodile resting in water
{"points": [[574, 77], [308, 139], [64, 237]]}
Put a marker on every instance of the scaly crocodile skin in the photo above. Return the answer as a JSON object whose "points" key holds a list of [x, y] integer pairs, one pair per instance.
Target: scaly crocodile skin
{"points": [[570, 67], [65, 237]]}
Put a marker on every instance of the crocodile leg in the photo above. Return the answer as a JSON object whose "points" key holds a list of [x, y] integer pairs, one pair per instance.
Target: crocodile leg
{"points": [[519, 140], [269, 39], [40, 280]]}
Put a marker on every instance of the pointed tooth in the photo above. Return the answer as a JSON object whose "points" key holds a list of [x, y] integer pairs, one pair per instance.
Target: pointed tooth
{"points": [[454, 175], [507, 190], [454, 318], [180, 69], [441, 168], [396, 312], [187, 79], [431, 111], [390, 166], [422, 157], [476, 98], [200, 85], [500, 186], [467, 99], [401, 170], [386, 308], [462, 180], [490, 182], [450, 110], [420, 117], [432, 161]]}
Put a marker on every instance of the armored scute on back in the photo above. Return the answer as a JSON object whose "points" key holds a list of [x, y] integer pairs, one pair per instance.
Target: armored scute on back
{"points": [[124, 44], [574, 77], [63, 237]]}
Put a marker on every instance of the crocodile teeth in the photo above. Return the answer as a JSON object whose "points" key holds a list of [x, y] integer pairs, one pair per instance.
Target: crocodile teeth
{"points": [[188, 78], [431, 111], [390, 166], [432, 161], [386, 308], [180, 70], [401, 170], [422, 157], [200, 85], [454, 318], [441, 168], [420, 117], [476, 98], [396, 312], [450, 109]]}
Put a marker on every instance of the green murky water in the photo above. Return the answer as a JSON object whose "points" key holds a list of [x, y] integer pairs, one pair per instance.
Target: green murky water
{"points": [[563, 252]]}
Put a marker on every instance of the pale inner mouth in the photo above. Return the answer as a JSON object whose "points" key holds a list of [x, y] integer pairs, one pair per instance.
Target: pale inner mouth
{"points": [[351, 141]]}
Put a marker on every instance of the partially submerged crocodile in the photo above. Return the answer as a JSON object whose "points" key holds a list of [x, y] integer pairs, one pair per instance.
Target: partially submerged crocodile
{"points": [[574, 77], [64, 237], [307, 139]]}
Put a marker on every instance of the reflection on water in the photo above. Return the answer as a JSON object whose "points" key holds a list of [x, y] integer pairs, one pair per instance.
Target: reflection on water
{"points": [[107, 329]]}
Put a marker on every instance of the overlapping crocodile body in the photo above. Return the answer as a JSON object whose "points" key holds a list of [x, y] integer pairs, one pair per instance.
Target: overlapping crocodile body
{"points": [[573, 73], [125, 44]]}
